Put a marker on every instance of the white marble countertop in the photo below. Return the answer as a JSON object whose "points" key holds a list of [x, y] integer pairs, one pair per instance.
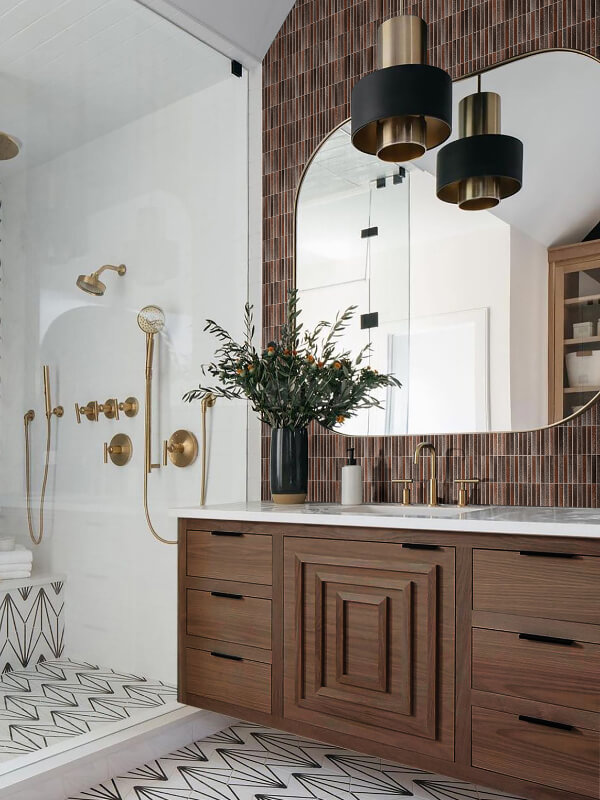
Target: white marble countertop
{"points": [[577, 522]]}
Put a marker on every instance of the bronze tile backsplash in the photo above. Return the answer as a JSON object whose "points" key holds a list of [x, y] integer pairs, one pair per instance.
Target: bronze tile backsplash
{"points": [[323, 47]]}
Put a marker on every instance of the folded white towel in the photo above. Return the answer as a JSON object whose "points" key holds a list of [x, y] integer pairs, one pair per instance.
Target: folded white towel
{"points": [[15, 568], [16, 574], [20, 555]]}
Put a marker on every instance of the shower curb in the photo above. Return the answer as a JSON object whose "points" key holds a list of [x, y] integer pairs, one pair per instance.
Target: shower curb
{"points": [[74, 770]]}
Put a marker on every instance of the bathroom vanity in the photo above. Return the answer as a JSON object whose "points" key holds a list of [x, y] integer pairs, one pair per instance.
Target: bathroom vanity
{"points": [[461, 641]]}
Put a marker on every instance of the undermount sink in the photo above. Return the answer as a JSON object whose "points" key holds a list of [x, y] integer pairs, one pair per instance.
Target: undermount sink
{"points": [[393, 509]]}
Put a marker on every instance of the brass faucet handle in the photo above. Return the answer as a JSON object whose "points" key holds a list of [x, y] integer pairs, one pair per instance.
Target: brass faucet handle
{"points": [[406, 490], [463, 490]]}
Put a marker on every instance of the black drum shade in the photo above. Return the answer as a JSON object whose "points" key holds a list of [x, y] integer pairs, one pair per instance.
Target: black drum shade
{"points": [[483, 166], [492, 155], [398, 92], [405, 107]]}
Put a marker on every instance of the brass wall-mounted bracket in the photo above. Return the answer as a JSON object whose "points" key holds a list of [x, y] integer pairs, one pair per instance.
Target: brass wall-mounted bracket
{"points": [[90, 411], [181, 449], [120, 450]]}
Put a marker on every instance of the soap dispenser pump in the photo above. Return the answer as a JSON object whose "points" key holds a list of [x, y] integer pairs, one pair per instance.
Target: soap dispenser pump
{"points": [[352, 481]]}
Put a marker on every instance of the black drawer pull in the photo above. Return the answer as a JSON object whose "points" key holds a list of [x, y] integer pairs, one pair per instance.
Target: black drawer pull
{"points": [[226, 533], [227, 594], [536, 637], [418, 546], [537, 721], [546, 555], [226, 655]]}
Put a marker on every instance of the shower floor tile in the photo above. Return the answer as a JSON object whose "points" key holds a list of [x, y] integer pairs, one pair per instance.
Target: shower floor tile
{"points": [[249, 761], [59, 699]]}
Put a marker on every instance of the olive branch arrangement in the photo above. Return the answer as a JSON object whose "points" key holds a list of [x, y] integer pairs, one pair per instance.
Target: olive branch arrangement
{"points": [[299, 379]]}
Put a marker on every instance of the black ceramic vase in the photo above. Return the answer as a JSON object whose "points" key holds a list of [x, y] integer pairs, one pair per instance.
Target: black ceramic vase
{"points": [[289, 465]]}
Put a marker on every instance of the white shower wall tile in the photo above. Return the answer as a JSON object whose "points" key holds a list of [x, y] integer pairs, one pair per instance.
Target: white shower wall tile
{"points": [[32, 625]]}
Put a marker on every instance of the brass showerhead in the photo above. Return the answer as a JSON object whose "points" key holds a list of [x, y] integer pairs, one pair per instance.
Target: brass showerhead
{"points": [[9, 147], [92, 283]]}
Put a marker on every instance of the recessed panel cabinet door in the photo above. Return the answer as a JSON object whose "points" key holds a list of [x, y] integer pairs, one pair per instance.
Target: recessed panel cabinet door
{"points": [[369, 641]]}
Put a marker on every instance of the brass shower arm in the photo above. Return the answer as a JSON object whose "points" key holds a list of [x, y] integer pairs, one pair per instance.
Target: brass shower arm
{"points": [[121, 269]]}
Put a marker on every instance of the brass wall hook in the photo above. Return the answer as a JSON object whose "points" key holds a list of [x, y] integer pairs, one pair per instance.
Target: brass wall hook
{"points": [[90, 411], [181, 449], [120, 450]]}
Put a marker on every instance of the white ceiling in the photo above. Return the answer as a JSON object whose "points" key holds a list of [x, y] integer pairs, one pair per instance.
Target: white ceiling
{"points": [[73, 70], [248, 25]]}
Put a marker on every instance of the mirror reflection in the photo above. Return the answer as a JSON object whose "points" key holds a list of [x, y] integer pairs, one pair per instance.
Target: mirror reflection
{"points": [[456, 303]]}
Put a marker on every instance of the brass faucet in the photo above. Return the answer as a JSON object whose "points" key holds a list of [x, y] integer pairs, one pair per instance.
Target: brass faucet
{"points": [[433, 499]]}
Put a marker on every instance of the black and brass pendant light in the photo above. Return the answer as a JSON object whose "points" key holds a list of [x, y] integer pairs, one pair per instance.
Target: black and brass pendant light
{"points": [[483, 166], [405, 107]]}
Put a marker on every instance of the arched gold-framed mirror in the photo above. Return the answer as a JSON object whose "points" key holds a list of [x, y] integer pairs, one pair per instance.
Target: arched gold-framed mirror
{"points": [[456, 303]]}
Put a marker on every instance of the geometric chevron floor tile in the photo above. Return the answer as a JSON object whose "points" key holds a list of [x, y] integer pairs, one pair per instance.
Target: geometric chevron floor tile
{"points": [[247, 762], [59, 699]]}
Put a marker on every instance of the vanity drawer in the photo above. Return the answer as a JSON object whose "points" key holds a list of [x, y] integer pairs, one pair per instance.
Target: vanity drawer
{"points": [[238, 681], [558, 757], [230, 556], [531, 584], [229, 617], [563, 672]]}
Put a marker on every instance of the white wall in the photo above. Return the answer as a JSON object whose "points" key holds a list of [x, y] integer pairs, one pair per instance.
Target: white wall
{"points": [[528, 331], [166, 195]]}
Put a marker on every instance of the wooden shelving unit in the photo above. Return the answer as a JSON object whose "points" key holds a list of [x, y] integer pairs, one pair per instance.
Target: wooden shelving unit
{"points": [[574, 283]]}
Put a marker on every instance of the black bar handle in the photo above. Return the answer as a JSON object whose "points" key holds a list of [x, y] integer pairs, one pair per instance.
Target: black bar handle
{"points": [[536, 637], [546, 722], [226, 655], [228, 594], [418, 546], [546, 555], [226, 533]]}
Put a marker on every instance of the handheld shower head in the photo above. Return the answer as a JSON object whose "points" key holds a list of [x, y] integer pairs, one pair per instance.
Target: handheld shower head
{"points": [[151, 320], [92, 283]]}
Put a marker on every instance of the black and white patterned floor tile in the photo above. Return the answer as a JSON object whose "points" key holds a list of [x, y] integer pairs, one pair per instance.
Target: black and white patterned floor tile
{"points": [[247, 762], [58, 699]]}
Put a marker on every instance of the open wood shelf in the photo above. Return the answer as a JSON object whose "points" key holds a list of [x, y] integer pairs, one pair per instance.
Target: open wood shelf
{"points": [[581, 301], [583, 340]]}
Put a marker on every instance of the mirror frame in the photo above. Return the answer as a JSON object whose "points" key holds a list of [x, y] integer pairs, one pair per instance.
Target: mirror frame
{"points": [[307, 166]]}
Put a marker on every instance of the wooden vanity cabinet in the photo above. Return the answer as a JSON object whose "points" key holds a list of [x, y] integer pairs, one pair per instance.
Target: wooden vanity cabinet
{"points": [[475, 656]]}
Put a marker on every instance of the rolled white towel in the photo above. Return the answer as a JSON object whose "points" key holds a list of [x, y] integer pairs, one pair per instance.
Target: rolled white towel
{"points": [[20, 555]]}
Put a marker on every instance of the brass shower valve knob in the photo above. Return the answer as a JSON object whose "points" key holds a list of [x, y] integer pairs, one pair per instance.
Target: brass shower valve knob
{"points": [[90, 411], [110, 409], [130, 407], [120, 450], [181, 449]]}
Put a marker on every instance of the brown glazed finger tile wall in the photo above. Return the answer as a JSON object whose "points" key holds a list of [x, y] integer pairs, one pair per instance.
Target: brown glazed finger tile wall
{"points": [[323, 48]]}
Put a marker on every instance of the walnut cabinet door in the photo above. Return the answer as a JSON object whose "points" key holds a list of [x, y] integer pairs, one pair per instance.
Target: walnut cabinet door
{"points": [[369, 641]]}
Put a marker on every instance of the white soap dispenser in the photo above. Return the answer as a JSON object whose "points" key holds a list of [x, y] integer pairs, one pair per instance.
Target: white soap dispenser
{"points": [[352, 481]]}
